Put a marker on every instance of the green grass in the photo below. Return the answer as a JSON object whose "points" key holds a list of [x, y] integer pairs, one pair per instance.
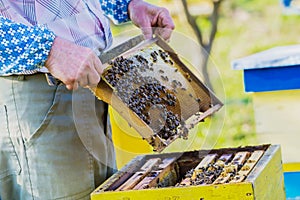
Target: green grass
{"points": [[245, 27]]}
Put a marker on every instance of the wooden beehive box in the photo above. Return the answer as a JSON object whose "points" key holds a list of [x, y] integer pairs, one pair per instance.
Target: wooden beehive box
{"points": [[273, 78], [173, 98], [164, 176]]}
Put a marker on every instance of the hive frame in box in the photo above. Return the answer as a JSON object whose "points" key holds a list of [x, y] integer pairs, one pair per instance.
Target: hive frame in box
{"points": [[265, 181], [105, 92]]}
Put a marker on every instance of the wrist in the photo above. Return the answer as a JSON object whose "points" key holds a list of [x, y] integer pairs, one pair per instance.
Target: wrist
{"points": [[52, 51], [59, 46], [132, 5]]}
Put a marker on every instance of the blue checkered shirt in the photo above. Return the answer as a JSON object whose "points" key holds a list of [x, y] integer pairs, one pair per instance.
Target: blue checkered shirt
{"points": [[28, 28]]}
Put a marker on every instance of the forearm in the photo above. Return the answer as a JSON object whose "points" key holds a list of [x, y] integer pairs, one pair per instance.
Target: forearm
{"points": [[23, 48]]}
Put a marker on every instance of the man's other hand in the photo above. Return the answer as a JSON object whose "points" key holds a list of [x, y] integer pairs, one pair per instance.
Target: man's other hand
{"points": [[147, 16]]}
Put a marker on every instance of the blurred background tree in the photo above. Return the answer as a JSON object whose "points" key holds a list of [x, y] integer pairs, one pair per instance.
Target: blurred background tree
{"points": [[212, 16]]}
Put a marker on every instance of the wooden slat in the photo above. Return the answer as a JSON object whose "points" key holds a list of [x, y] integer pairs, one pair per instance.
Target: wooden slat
{"points": [[247, 167], [185, 182], [166, 162], [232, 168], [240, 158], [210, 158], [222, 160], [144, 183], [222, 179], [138, 176], [164, 168]]}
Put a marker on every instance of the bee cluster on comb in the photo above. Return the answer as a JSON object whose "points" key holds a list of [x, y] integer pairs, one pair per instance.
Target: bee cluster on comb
{"points": [[146, 95], [155, 92]]}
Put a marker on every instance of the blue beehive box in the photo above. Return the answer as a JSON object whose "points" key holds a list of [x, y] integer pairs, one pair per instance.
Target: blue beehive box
{"points": [[271, 70], [273, 78]]}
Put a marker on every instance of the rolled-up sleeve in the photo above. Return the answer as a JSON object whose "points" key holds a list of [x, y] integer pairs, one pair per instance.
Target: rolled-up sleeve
{"points": [[116, 10], [23, 48]]}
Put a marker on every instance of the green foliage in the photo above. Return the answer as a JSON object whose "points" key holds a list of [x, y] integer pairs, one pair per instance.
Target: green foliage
{"points": [[252, 5]]}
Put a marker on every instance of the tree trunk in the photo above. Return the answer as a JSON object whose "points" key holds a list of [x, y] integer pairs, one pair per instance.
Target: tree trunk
{"points": [[204, 45]]}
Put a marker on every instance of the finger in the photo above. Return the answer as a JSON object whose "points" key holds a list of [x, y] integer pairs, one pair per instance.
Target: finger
{"points": [[69, 87], [82, 74], [147, 32], [98, 66], [165, 20], [93, 78], [166, 24], [75, 86], [84, 81], [72, 86], [165, 33]]}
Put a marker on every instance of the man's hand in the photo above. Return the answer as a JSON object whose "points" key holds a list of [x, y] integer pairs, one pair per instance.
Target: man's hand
{"points": [[74, 65], [146, 16]]}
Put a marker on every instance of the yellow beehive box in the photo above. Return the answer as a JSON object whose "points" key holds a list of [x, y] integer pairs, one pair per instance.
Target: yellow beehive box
{"points": [[265, 180], [277, 121], [273, 78]]}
